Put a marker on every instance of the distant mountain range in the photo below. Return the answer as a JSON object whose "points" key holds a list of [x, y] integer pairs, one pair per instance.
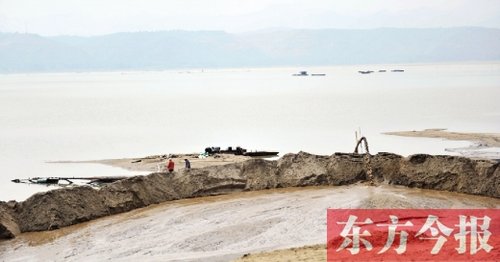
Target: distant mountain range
{"points": [[216, 49]]}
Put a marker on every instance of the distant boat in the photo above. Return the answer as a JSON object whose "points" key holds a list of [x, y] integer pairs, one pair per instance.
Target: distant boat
{"points": [[365, 72], [398, 70], [261, 153], [301, 73], [318, 74]]}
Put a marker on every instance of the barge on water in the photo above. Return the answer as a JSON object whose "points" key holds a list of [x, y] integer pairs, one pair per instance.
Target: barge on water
{"points": [[304, 73]]}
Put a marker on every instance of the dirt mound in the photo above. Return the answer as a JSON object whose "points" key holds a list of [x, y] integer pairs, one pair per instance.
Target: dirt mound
{"points": [[8, 226], [67, 206], [449, 173]]}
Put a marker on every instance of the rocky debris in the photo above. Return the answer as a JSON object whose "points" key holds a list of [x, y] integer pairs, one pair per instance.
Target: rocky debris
{"points": [[67, 206]]}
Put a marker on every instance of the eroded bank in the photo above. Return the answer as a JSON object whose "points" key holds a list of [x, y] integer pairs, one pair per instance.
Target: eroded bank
{"points": [[72, 205]]}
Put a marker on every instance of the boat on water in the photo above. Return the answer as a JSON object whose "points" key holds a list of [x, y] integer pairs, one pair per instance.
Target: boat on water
{"points": [[261, 153], [304, 73], [301, 73]]}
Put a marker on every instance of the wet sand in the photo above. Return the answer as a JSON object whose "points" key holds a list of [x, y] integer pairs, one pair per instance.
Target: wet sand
{"points": [[221, 227]]}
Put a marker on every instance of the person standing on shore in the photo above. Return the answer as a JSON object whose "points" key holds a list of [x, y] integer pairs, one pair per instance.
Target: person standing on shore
{"points": [[170, 166], [188, 164]]}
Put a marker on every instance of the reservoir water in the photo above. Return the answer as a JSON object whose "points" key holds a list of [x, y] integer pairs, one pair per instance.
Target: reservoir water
{"points": [[87, 116]]}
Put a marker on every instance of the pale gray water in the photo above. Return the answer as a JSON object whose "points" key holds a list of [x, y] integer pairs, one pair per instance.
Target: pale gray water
{"points": [[84, 116]]}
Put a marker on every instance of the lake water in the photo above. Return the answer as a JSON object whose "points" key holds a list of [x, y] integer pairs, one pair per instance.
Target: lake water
{"points": [[86, 116]]}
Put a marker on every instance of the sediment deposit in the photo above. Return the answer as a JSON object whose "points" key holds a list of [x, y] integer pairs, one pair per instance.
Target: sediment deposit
{"points": [[67, 206]]}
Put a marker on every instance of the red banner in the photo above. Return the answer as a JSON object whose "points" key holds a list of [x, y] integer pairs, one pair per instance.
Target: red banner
{"points": [[413, 235]]}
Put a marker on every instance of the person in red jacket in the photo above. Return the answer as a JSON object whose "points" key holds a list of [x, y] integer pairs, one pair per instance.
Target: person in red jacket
{"points": [[170, 166]]}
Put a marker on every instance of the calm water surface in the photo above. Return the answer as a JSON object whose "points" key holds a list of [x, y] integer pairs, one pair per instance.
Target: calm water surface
{"points": [[85, 116]]}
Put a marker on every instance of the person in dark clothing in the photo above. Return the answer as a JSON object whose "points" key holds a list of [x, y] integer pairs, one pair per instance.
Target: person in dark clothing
{"points": [[170, 166], [188, 164]]}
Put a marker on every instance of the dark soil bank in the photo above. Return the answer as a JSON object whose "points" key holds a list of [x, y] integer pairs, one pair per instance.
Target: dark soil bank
{"points": [[68, 206]]}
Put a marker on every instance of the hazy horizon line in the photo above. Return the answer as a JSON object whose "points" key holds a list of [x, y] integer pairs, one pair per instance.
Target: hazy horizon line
{"points": [[267, 29]]}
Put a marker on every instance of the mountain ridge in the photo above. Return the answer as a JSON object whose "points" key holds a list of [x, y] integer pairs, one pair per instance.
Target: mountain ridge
{"points": [[177, 49]]}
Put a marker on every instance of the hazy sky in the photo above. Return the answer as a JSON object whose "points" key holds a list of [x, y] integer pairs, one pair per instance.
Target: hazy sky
{"points": [[94, 17]]}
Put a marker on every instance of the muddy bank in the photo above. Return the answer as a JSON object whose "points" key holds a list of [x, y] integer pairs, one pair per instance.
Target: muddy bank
{"points": [[67, 206], [223, 227]]}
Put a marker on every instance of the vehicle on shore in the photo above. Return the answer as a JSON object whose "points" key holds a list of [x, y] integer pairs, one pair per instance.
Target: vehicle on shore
{"points": [[239, 151]]}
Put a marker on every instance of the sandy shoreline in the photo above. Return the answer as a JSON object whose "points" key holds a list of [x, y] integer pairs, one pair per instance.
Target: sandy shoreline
{"points": [[483, 139], [157, 163], [481, 146]]}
